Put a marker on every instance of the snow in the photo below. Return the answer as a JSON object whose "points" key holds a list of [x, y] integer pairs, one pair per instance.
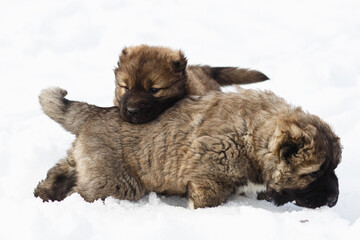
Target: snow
{"points": [[309, 49]]}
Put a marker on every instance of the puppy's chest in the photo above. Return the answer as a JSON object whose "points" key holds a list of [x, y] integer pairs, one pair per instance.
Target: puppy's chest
{"points": [[251, 189]]}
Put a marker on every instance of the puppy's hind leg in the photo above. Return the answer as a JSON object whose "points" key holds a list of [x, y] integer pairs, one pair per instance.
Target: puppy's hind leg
{"points": [[207, 193], [59, 183]]}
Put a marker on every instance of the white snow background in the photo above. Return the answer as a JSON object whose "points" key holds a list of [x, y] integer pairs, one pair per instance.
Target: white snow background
{"points": [[310, 50]]}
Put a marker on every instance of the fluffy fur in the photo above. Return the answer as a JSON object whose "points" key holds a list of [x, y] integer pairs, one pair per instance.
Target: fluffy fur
{"points": [[151, 79], [203, 148]]}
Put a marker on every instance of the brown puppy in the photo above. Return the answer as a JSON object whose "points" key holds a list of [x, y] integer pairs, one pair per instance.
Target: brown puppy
{"points": [[151, 79], [204, 148]]}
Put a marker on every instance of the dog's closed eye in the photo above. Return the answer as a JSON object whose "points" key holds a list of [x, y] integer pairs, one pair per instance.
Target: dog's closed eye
{"points": [[154, 90], [315, 174], [125, 87]]}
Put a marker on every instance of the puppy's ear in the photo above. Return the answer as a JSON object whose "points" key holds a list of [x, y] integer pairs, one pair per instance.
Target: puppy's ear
{"points": [[289, 138], [179, 64], [289, 149], [122, 57], [125, 51]]}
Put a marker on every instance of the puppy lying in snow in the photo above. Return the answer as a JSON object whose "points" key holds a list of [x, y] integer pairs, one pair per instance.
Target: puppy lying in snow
{"points": [[203, 148]]}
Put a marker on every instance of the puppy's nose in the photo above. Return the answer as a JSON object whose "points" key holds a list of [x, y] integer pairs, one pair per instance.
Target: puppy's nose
{"points": [[332, 201], [133, 110]]}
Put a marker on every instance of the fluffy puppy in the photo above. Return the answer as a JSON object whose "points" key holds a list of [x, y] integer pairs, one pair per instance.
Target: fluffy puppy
{"points": [[204, 148], [151, 79]]}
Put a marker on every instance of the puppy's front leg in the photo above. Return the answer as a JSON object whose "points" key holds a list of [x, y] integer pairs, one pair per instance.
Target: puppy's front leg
{"points": [[207, 193]]}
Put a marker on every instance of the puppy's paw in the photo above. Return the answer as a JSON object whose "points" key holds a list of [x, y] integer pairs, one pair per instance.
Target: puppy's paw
{"points": [[191, 204]]}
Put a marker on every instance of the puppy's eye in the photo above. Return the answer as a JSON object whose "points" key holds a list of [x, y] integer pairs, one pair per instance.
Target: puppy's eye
{"points": [[125, 87], [315, 174], [154, 90]]}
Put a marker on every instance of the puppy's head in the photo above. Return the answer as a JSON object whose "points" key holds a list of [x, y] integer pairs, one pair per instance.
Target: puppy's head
{"points": [[148, 81], [307, 153]]}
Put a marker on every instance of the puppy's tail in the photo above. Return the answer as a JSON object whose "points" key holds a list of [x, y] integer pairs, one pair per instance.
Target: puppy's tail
{"points": [[233, 75], [69, 114]]}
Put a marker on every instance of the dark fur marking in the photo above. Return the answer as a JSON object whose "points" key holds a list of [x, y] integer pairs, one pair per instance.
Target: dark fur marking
{"points": [[62, 186]]}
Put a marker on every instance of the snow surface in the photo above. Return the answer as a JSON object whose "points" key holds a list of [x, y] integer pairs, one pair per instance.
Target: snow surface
{"points": [[309, 49]]}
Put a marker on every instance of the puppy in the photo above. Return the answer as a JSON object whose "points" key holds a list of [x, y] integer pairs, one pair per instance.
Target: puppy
{"points": [[151, 79], [204, 148]]}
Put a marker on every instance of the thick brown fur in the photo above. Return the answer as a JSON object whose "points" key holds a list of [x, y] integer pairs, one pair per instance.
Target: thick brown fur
{"points": [[203, 147], [151, 79]]}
